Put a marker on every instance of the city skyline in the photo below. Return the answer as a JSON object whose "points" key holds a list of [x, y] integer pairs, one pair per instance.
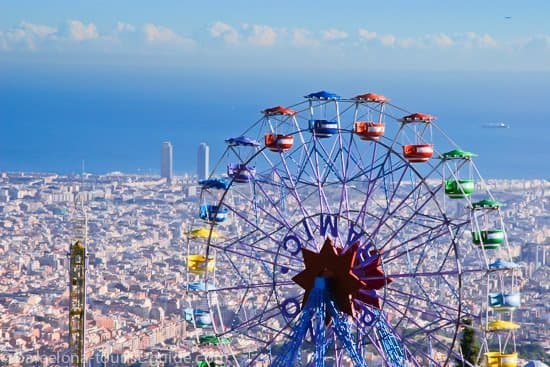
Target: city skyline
{"points": [[137, 270]]}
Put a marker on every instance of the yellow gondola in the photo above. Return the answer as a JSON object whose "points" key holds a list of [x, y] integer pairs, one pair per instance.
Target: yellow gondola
{"points": [[203, 233], [497, 359], [198, 264], [497, 325]]}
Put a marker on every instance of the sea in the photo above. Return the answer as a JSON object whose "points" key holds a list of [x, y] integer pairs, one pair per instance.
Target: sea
{"points": [[115, 119]]}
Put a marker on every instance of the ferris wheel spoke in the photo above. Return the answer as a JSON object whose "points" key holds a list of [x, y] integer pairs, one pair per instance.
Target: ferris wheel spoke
{"points": [[410, 300], [269, 343], [362, 168], [281, 217], [239, 213], [323, 201], [427, 242], [388, 213], [411, 308], [308, 162], [251, 286], [355, 161], [387, 216], [292, 185], [257, 321], [440, 307], [258, 255], [372, 184], [417, 282], [316, 177], [301, 163], [411, 275], [344, 196]]}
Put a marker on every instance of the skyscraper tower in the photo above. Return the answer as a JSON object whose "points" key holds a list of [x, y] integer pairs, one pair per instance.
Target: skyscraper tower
{"points": [[166, 162], [203, 161]]}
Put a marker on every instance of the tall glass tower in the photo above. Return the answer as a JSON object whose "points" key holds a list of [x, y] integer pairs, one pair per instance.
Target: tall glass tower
{"points": [[166, 162], [203, 161]]}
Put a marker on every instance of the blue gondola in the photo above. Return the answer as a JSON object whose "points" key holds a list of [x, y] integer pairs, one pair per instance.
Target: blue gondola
{"points": [[504, 301], [242, 141], [200, 286], [213, 213], [501, 265], [241, 173], [323, 95], [201, 318], [323, 128], [215, 183]]}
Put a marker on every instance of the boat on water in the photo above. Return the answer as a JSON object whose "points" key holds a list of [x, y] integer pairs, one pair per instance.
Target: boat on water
{"points": [[498, 125]]}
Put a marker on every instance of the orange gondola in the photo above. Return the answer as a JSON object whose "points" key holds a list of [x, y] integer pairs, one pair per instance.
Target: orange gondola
{"points": [[278, 142], [418, 153], [369, 130]]}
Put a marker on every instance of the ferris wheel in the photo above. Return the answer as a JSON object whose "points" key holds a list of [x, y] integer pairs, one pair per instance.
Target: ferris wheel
{"points": [[349, 232]]}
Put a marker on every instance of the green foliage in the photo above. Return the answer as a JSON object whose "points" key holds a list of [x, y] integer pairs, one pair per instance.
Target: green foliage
{"points": [[469, 345]]}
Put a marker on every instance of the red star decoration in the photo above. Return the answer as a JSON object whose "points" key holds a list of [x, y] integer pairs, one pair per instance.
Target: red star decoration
{"points": [[372, 275], [343, 283]]}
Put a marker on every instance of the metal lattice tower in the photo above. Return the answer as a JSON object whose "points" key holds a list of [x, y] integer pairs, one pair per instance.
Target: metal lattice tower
{"points": [[77, 285]]}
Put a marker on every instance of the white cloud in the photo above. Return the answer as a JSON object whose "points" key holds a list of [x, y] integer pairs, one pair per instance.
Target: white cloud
{"points": [[25, 35], [388, 40], [154, 33], [79, 31], [334, 35], [541, 41], [38, 30], [262, 35], [225, 31], [125, 27], [367, 35], [16, 35], [438, 40], [303, 38], [409, 42], [487, 41], [474, 40], [442, 40], [160, 34]]}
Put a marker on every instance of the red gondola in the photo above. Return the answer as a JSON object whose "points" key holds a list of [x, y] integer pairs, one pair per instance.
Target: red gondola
{"points": [[371, 97], [279, 111], [369, 130], [418, 117], [278, 142], [418, 153]]}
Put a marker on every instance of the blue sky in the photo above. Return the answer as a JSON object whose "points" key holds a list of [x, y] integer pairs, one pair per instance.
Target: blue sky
{"points": [[281, 35], [155, 71]]}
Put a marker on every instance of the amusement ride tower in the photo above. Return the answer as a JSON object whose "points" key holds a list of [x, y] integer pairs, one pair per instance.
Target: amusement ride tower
{"points": [[77, 285]]}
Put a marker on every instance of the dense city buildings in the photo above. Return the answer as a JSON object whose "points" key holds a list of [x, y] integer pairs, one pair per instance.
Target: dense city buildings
{"points": [[203, 161], [137, 289], [167, 162]]}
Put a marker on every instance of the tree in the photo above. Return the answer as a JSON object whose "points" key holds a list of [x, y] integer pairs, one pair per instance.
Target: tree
{"points": [[469, 345]]}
